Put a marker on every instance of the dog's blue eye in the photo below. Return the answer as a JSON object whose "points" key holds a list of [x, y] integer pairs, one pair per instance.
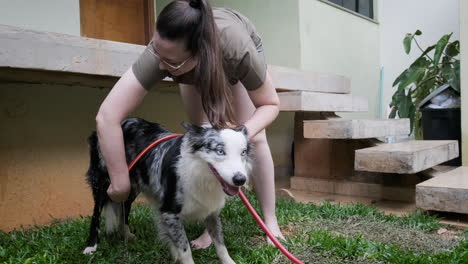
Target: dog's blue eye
{"points": [[220, 152], [244, 152]]}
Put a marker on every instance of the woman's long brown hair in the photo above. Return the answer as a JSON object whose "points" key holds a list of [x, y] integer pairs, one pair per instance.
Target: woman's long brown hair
{"points": [[193, 22]]}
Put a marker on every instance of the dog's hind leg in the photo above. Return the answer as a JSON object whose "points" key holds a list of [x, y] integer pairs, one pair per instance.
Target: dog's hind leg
{"points": [[213, 224], [93, 238], [172, 229], [127, 235]]}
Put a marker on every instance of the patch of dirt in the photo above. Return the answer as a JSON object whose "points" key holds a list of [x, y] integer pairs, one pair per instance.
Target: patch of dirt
{"points": [[311, 257], [415, 240], [257, 241], [389, 233]]}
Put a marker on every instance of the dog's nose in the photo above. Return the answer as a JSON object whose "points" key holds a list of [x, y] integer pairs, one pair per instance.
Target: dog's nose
{"points": [[239, 179]]}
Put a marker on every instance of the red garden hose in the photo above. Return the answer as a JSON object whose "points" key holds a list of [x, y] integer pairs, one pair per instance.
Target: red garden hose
{"points": [[267, 231], [241, 195], [152, 145]]}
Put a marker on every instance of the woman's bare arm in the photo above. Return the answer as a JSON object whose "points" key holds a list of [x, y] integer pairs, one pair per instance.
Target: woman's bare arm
{"points": [[124, 97], [267, 103]]}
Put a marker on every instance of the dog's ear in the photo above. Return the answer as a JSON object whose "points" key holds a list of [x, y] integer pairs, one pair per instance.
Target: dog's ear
{"points": [[242, 129], [192, 128]]}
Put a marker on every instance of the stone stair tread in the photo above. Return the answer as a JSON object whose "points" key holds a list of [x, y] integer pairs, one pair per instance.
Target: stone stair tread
{"points": [[289, 79], [356, 129], [97, 62], [455, 179], [405, 157], [306, 101], [447, 192]]}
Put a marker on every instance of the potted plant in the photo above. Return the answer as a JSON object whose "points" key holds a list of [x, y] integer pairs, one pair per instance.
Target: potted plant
{"points": [[428, 72]]}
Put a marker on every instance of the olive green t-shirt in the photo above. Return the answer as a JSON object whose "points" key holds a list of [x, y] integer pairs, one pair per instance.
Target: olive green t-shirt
{"points": [[243, 57]]}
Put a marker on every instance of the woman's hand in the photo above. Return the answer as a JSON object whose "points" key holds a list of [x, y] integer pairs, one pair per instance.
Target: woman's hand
{"points": [[119, 192]]}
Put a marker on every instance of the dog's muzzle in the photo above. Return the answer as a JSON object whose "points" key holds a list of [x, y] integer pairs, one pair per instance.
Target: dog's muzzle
{"points": [[227, 188]]}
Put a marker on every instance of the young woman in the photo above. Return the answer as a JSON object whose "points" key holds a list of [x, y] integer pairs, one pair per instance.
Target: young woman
{"points": [[217, 58]]}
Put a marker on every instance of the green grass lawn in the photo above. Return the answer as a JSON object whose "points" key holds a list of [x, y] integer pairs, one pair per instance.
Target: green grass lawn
{"points": [[315, 234]]}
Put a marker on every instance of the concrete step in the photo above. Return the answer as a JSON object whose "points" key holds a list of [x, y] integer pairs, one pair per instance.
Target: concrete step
{"points": [[38, 56], [405, 157], [321, 102], [447, 192], [356, 129], [288, 79]]}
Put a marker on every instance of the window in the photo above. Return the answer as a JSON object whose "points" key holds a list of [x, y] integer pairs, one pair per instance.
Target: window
{"points": [[363, 7]]}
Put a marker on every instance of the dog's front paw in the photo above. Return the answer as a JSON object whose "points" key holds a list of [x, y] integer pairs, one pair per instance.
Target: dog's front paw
{"points": [[90, 250], [128, 236], [228, 261]]}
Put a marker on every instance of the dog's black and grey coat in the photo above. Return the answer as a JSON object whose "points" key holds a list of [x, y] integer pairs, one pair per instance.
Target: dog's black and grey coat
{"points": [[175, 177]]}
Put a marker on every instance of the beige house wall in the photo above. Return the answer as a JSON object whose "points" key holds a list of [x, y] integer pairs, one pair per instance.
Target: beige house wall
{"points": [[47, 15], [44, 154], [337, 41]]}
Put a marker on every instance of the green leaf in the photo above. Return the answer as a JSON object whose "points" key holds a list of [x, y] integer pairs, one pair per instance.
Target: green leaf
{"points": [[447, 72], [455, 80], [413, 75], [428, 49], [418, 32], [421, 62], [412, 116], [398, 79], [440, 46], [404, 105], [407, 42], [392, 114], [453, 49]]}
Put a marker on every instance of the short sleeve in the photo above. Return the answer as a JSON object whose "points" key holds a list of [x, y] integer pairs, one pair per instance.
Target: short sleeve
{"points": [[251, 70], [146, 68]]}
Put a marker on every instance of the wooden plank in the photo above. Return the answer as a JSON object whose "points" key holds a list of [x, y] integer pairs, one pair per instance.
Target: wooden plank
{"points": [[405, 157], [288, 79], [356, 129], [321, 102], [447, 192]]}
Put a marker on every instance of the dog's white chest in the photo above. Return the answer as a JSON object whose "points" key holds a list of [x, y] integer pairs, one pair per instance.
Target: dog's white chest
{"points": [[202, 200]]}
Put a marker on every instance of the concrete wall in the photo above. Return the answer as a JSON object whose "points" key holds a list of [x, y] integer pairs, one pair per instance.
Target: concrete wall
{"points": [[336, 41], [434, 18], [464, 76], [44, 153], [47, 15]]}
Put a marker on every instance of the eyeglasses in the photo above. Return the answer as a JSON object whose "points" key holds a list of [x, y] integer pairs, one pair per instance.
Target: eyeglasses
{"points": [[172, 66]]}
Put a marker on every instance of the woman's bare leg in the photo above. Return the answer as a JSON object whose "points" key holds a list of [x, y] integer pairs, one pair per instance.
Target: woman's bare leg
{"points": [[263, 170]]}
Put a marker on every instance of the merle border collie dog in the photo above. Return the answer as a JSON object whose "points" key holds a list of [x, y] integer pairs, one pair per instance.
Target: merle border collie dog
{"points": [[177, 180]]}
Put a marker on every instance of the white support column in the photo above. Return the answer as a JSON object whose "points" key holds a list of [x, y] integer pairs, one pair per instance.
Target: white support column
{"points": [[464, 78]]}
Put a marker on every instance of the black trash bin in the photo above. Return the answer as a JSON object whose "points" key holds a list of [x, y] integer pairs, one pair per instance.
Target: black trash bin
{"points": [[441, 123]]}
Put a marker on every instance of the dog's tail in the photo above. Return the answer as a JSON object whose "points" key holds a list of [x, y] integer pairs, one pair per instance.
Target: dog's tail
{"points": [[94, 160], [113, 215]]}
